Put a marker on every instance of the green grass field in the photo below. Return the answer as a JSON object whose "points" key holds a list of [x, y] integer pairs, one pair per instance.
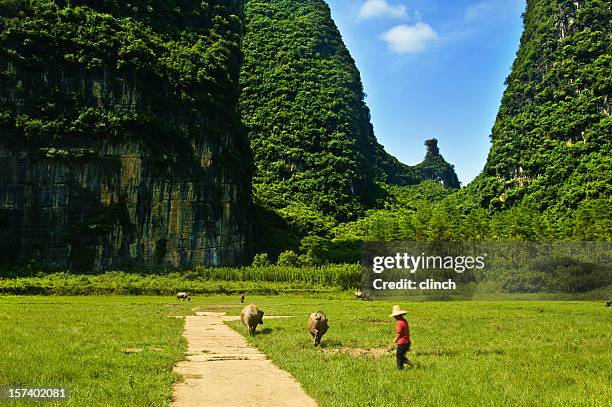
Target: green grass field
{"points": [[81, 342], [467, 353]]}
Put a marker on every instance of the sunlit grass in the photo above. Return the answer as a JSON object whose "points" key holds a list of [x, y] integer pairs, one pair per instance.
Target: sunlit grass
{"points": [[467, 353], [80, 343]]}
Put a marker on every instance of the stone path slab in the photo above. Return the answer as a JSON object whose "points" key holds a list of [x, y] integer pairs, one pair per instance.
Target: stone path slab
{"points": [[223, 370]]}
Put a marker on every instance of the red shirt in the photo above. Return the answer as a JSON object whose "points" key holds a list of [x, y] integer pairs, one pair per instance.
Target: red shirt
{"points": [[401, 328]]}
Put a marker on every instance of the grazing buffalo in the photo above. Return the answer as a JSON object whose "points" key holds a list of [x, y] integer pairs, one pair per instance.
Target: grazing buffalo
{"points": [[360, 295], [317, 326], [183, 296], [251, 317]]}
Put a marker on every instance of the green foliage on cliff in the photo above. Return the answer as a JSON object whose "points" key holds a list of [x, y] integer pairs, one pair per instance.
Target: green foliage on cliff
{"points": [[302, 101], [152, 64], [552, 145], [121, 119]]}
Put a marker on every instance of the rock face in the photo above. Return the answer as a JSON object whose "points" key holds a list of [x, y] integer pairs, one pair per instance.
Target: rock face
{"points": [[107, 167], [115, 209], [435, 167]]}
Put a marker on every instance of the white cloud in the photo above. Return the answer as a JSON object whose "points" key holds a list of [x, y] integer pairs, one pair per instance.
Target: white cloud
{"points": [[409, 39], [380, 8]]}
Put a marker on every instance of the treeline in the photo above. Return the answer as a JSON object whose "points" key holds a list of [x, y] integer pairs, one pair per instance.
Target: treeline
{"points": [[580, 279], [254, 280], [449, 220], [430, 212]]}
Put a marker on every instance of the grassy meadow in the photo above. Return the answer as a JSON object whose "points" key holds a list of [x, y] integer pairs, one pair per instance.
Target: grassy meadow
{"points": [[478, 353], [466, 353], [108, 351]]}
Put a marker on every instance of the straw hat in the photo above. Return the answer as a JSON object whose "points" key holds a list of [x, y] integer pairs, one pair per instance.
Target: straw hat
{"points": [[397, 310]]}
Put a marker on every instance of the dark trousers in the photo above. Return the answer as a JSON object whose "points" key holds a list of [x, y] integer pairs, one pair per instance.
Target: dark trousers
{"points": [[400, 355]]}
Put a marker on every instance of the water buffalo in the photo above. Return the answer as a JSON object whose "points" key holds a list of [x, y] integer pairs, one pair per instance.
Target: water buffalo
{"points": [[364, 296], [251, 317], [317, 326], [183, 296]]}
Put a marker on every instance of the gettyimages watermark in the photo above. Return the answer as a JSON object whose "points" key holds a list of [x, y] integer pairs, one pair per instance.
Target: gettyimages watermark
{"points": [[456, 270]]}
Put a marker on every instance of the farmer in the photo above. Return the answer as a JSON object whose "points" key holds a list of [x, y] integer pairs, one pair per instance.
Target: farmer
{"points": [[402, 340]]}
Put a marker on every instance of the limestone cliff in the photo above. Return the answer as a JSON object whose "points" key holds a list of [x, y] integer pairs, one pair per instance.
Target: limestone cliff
{"points": [[551, 145], [120, 139]]}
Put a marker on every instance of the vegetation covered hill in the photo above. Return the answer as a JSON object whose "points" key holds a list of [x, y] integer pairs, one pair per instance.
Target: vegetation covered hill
{"points": [[317, 159], [434, 166], [552, 141], [302, 101]]}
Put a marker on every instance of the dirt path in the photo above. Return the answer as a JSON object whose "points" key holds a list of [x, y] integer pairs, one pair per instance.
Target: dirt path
{"points": [[222, 370]]}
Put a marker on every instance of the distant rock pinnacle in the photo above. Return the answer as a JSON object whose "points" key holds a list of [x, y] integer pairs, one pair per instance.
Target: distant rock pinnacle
{"points": [[432, 147]]}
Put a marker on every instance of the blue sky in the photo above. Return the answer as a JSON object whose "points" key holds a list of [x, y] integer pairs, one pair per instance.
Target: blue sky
{"points": [[433, 68]]}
